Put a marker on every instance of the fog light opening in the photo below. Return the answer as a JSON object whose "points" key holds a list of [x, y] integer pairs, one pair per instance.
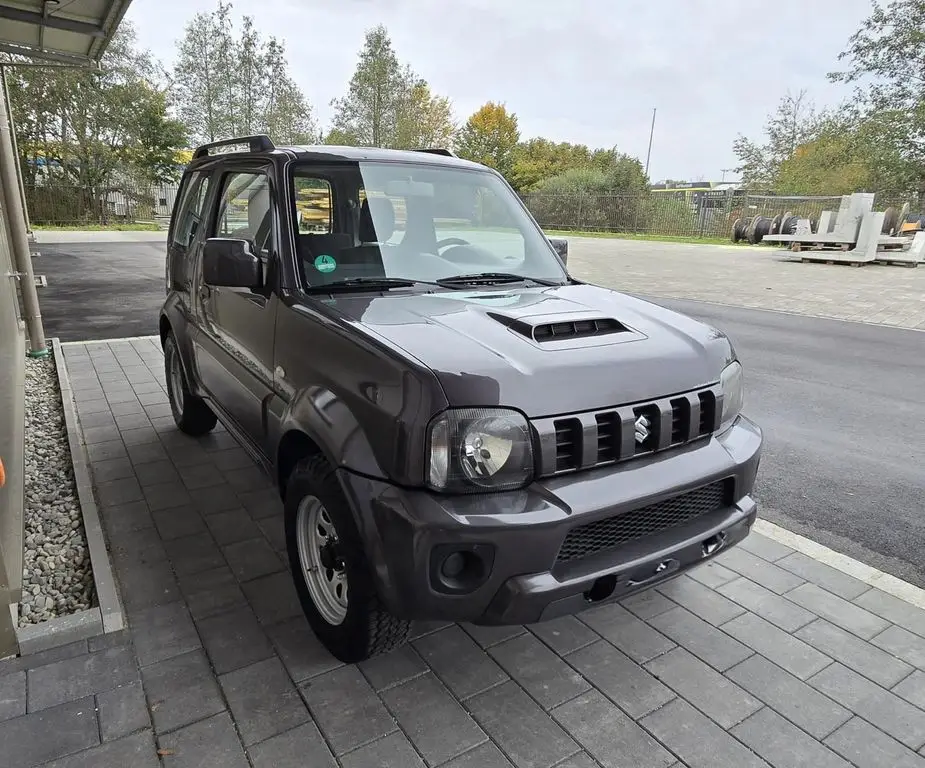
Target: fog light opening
{"points": [[601, 589], [462, 570]]}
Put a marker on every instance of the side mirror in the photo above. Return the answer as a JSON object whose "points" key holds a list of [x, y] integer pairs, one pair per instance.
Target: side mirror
{"points": [[231, 263], [560, 244]]}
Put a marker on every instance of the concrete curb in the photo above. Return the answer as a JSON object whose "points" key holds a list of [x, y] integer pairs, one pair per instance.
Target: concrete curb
{"points": [[106, 592], [107, 616], [109, 341], [76, 237], [868, 574]]}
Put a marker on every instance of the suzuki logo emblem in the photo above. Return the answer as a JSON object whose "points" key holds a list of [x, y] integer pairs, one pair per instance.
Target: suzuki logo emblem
{"points": [[643, 425]]}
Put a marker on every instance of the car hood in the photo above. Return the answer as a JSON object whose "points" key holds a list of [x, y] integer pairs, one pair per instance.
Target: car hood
{"points": [[517, 347]]}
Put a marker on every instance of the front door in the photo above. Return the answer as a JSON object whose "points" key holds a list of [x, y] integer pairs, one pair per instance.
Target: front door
{"points": [[234, 352]]}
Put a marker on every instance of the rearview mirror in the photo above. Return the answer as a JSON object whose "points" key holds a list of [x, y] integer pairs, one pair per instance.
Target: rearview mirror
{"points": [[408, 188], [560, 244], [231, 263]]}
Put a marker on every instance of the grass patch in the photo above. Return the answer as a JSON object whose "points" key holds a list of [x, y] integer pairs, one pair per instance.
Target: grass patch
{"points": [[656, 238], [138, 227]]}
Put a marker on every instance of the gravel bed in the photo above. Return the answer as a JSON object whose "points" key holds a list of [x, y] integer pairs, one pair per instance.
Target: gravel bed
{"points": [[57, 577]]}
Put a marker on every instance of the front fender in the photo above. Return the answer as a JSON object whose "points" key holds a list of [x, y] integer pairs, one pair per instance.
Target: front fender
{"points": [[323, 417]]}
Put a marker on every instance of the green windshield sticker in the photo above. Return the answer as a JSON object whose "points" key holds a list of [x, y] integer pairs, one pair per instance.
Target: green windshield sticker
{"points": [[325, 264]]}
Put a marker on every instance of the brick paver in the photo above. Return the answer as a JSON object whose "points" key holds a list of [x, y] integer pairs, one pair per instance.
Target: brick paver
{"points": [[760, 278], [765, 658]]}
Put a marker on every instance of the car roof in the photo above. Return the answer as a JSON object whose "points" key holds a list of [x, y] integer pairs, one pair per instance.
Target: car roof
{"points": [[332, 153]]}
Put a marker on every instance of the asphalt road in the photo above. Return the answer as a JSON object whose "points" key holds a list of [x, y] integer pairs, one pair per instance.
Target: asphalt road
{"points": [[841, 406], [102, 290], [840, 403]]}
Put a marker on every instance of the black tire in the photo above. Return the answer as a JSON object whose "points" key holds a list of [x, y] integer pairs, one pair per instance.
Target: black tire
{"points": [[367, 629], [190, 413]]}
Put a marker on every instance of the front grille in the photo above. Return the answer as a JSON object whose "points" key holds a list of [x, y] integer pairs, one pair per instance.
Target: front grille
{"points": [[613, 532], [585, 440]]}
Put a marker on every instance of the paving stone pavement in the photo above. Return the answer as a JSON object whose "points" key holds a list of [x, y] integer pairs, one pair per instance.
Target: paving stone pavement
{"points": [[760, 278], [762, 658]]}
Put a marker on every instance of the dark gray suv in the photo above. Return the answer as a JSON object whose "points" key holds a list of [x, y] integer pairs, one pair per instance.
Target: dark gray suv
{"points": [[459, 429]]}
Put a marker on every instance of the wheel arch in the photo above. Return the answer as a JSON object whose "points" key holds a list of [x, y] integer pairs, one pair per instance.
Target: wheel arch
{"points": [[294, 446]]}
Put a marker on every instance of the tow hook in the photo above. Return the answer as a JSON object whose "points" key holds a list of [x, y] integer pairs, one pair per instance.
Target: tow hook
{"points": [[714, 544]]}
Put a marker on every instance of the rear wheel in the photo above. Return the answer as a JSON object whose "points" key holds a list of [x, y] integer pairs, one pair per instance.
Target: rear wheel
{"points": [[190, 413], [332, 575]]}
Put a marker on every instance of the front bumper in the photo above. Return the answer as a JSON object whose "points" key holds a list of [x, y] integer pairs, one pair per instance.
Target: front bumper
{"points": [[519, 534]]}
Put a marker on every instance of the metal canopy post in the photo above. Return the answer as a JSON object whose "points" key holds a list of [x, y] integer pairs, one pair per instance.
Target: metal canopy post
{"points": [[14, 206], [5, 95]]}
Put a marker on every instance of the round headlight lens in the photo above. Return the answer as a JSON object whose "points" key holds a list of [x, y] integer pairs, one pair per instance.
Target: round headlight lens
{"points": [[486, 446], [474, 448]]}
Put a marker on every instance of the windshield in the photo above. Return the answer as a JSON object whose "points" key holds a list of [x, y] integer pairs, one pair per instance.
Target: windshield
{"points": [[413, 221]]}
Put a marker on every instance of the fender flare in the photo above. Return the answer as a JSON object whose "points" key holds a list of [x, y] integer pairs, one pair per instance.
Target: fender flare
{"points": [[323, 418]]}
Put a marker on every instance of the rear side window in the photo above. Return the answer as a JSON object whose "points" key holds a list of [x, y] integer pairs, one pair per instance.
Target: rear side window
{"points": [[191, 209], [314, 204]]}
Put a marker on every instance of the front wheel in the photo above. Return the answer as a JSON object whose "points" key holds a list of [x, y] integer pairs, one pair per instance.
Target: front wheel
{"points": [[332, 575], [190, 413]]}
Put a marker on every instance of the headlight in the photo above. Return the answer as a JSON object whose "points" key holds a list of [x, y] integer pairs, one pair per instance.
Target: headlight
{"points": [[733, 394], [474, 449]]}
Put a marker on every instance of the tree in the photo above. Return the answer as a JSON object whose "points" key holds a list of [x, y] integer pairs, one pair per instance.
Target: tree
{"points": [[795, 122], [886, 62], [539, 159], [287, 116], [369, 114], [201, 88], [424, 119], [588, 197], [228, 86], [829, 165], [90, 134], [490, 136]]}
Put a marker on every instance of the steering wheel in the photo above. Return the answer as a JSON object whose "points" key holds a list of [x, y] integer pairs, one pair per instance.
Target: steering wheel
{"points": [[451, 241]]}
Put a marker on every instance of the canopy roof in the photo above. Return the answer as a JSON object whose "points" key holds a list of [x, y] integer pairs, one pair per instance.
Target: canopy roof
{"points": [[63, 31]]}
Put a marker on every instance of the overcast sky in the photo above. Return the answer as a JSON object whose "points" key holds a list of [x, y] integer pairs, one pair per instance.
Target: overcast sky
{"points": [[585, 71]]}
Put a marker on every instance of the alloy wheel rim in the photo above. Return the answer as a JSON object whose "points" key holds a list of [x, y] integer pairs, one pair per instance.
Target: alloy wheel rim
{"points": [[322, 567]]}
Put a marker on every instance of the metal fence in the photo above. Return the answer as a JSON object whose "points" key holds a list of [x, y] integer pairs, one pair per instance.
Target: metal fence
{"points": [[690, 213], [58, 204], [684, 214]]}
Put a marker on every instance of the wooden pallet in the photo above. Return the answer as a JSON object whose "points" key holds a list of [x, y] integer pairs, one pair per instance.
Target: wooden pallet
{"points": [[894, 263], [823, 260], [808, 245]]}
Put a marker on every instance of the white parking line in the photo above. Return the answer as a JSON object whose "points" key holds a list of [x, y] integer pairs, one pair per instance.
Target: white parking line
{"points": [[862, 572]]}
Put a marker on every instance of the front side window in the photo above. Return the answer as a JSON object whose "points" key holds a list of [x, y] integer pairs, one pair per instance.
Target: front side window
{"points": [[245, 210], [416, 221], [190, 212]]}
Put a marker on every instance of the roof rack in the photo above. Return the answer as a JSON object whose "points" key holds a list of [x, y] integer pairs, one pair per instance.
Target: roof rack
{"points": [[436, 151], [258, 143]]}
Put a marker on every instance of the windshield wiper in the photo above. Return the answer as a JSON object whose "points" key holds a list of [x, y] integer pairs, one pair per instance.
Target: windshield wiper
{"points": [[371, 283], [487, 278]]}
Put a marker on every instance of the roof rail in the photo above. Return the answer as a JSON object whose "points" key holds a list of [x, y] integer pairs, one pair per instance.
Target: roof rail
{"points": [[436, 151], [258, 143]]}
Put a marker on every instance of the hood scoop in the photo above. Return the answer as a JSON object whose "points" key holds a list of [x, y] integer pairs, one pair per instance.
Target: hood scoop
{"points": [[546, 330]]}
